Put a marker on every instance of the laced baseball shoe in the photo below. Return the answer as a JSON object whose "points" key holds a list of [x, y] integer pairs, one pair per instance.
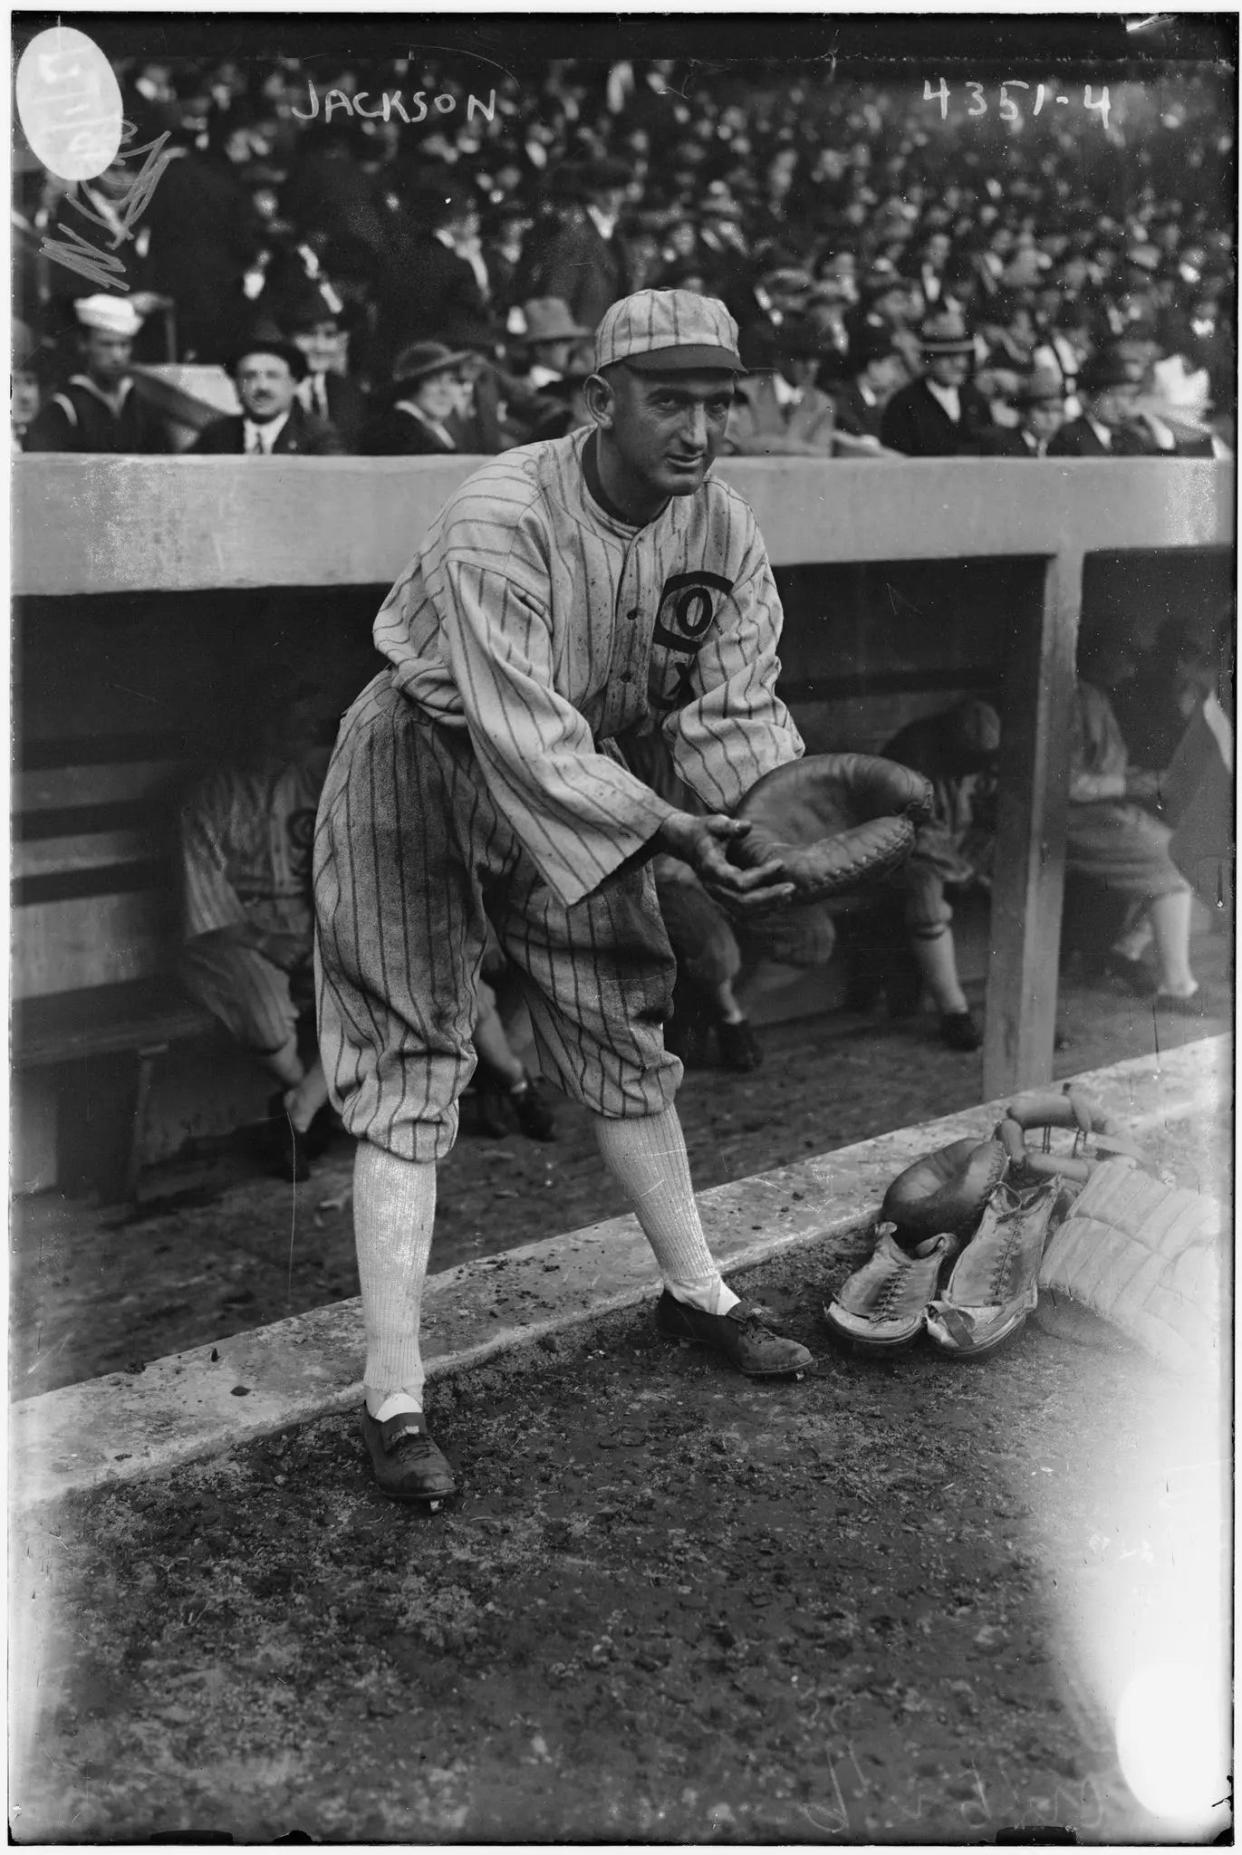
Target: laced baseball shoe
{"points": [[407, 1464], [883, 1306], [993, 1285], [742, 1335]]}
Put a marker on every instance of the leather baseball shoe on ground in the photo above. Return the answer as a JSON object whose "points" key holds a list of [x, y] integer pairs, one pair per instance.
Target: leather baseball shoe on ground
{"points": [[883, 1306], [739, 1047], [407, 1464], [993, 1285], [959, 1030], [742, 1335]]}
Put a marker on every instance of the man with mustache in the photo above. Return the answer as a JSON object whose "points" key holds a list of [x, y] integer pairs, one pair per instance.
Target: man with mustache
{"points": [[267, 371]]}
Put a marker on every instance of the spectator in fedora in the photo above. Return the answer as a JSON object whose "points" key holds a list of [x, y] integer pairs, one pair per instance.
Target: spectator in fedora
{"points": [[1108, 426], [550, 336], [267, 371], [316, 324], [99, 409], [1040, 405], [779, 410], [940, 414], [878, 371], [584, 262], [425, 401]]}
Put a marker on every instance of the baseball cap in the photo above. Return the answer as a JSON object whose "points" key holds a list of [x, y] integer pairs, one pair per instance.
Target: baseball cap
{"points": [[668, 331]]}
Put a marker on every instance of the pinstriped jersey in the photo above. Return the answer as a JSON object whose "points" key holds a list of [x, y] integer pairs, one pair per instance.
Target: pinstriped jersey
{"points": [[548, 628], [246, 838]]}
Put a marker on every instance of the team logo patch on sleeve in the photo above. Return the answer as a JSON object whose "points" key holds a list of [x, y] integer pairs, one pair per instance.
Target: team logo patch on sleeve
{"points": [[689, 603]]}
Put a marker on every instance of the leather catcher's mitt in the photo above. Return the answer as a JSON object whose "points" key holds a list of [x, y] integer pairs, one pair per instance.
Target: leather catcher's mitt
{"points": [[1139, 1260], [835, 821], [947, 1189]]}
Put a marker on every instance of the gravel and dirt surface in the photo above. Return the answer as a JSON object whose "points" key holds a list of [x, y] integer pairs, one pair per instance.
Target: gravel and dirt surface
{"points": [[216, 1247], [887, 1603]]}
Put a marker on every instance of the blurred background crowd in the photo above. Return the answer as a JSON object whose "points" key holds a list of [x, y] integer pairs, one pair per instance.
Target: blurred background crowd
{"points": [[915, 268]]}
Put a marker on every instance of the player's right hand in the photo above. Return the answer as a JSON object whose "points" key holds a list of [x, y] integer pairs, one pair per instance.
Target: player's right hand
{"points": [[704, 843]]}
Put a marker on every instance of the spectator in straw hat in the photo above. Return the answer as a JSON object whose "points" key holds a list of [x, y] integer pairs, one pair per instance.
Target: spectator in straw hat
{"points": [[940, 414], [99, 408], [267, 371], [425, 400], [1040, 405]]}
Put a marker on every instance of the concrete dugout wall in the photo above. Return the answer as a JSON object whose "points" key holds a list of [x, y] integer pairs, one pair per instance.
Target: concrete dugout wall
{"points": [[145, 590]]}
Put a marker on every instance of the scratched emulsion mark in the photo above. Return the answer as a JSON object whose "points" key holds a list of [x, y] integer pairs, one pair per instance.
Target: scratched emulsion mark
{"points": [[69, 106]]}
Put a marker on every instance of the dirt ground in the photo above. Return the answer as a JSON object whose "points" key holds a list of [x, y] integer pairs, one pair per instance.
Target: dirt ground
{"points": [[889, 1603], [216, 1247]]}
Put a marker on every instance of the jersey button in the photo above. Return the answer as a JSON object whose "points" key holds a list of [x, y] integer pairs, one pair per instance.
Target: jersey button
{"points": [[634, 611]]}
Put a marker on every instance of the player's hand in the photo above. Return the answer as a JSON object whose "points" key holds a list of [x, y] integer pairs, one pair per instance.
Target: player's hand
{"points": [[704, 843]]}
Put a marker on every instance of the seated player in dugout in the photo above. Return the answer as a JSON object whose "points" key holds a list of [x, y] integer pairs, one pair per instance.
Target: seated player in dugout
{"points": [[957, 751], [570, 593], [246, 833]]}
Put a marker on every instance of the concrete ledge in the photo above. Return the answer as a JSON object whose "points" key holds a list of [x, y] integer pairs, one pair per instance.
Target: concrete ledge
{"points": [[199, 1403]]}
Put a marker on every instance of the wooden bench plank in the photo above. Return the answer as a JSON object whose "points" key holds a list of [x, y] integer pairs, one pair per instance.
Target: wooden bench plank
{"points": [[104, 1021], [52, 788], [89, 851]]}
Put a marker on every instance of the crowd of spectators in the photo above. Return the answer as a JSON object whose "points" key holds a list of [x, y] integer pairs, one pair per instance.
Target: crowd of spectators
{"points": [[906, 277]]}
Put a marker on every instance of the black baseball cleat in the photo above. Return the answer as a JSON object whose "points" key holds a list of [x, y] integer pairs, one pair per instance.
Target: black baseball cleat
{"points": [[739, 1048], [742, 1335], [407, 1464], [533, 1110], [959, 1031]]}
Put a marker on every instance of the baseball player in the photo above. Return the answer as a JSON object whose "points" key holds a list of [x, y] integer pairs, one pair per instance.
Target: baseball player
{"points": [[571, 592]]}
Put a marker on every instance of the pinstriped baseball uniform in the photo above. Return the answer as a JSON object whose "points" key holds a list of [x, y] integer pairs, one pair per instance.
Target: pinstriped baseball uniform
{"points": [[479, 775], [246, 839]]}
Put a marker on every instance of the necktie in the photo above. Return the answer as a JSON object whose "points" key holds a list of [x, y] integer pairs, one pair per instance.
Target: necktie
{"points": [[256, 445], [321, 396]]}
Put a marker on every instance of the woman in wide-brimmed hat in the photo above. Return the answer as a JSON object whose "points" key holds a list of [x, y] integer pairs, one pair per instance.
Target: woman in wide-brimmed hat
{"points": [[423, 401]]}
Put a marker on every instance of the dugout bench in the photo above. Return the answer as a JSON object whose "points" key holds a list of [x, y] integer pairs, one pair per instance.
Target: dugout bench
{"points": [[95, 1005]]}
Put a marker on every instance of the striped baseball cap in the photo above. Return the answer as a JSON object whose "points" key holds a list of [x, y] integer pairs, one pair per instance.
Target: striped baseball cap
{"points": [[668, 331]]}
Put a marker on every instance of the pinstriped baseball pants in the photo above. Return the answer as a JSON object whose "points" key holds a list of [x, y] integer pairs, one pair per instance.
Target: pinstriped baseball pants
{"points": [[412, 861]]}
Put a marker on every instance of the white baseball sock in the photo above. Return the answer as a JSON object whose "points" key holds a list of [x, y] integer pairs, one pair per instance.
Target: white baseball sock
{"points": [[647, 1158], [394, 1211]]}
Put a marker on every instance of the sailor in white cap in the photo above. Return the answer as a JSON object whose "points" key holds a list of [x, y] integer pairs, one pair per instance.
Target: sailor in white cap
{"points": [[572, 594], [98, 408]]}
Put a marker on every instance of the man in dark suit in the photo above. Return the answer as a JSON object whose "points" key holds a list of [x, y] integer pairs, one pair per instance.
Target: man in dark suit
{"points": [[940, 414], [1108, 427], [427, 285], [879, 371], [267, 371], [584, 261], [313, 318], [1040, 405]]}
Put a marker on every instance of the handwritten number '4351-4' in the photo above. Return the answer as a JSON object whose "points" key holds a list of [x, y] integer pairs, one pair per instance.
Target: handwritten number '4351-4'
{"points": [[1007, 108]]}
